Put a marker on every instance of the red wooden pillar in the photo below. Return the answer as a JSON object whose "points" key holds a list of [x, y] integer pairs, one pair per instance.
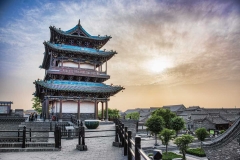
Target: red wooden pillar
{"points": [[47, 108], [78, 110], [106, 110], [96, 110], [60, 114], [102, 112]]}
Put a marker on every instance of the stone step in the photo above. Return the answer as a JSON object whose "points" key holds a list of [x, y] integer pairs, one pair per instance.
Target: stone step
{"points": [[29, 149], [28, 144]]}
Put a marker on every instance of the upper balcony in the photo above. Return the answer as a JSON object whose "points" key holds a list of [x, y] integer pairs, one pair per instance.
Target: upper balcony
{"points": [[77, 72]]}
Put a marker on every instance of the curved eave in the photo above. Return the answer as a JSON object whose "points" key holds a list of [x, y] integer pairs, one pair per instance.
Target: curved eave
{"points": [[76, 28], [106, 89], [79, 50], [98, 38]]}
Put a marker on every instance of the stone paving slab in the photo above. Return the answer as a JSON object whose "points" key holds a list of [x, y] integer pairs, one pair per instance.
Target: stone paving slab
{"points": [[98, 149]]}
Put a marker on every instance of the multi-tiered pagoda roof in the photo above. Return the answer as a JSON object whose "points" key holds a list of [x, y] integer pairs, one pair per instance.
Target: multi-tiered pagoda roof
{"points": [[77, 46]]}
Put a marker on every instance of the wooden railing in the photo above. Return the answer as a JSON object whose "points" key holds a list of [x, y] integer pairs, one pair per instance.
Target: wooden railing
{"points": [[124, 138], [75, 71]]}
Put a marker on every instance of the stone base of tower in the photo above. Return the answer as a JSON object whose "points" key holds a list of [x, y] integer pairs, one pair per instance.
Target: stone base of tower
{"points": [[83, 116]]}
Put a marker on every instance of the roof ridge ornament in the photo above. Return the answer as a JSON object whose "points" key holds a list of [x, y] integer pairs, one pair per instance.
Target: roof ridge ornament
{"points": [[79, 23]]}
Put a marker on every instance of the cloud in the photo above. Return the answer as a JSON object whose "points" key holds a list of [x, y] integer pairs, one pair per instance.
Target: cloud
{"points": [[199, 37]]}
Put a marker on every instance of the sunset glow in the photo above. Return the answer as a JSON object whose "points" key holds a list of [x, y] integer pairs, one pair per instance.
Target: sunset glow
{"points": [[158, 65], [168, 52]]}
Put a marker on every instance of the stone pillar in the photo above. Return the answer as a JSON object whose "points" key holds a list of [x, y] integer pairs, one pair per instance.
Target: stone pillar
{"points": [[102, 112], [60, 113], [78, 110], [47, 109], [106, 110]]}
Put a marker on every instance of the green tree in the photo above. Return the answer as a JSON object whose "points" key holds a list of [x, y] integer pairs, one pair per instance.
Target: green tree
{"points": [[133, 115], [111, 112], [177, 124], [166, 135], [167, 116], [37, 105], [201, 134], [182, 143], [155, 124]]}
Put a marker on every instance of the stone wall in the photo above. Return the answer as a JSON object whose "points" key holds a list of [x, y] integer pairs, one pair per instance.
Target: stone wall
{"points": [[226, 146]]}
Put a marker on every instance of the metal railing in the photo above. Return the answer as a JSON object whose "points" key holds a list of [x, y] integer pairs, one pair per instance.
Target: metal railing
{"points": [[25, 135]]}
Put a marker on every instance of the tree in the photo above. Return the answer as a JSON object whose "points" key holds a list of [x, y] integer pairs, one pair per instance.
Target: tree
{"points": [[182, 143], [167, 116], [133, 115], [36, 105], [166, 135], [177, 124], [111, 113], [155, 124], [201, 134]]}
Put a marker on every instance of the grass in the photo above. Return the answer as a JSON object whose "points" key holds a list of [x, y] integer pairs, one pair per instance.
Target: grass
{"points": [[170, 156], [196, 151]]}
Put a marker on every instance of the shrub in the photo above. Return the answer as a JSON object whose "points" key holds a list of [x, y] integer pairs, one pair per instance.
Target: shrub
{"points": [[196, 151], [168, 156], [222, 131]]}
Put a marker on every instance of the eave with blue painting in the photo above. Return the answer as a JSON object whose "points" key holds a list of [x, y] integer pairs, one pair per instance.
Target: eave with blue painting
{"points": [[75, 69]]}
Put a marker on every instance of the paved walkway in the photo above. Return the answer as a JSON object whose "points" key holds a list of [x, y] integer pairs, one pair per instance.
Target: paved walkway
{"points": [[98, 149]]}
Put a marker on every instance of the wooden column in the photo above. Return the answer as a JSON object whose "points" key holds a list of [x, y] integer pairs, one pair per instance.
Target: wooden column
{"points": [[60, 113], [106, 67], [102, 112], [79, 64], [47, 108], [78, 110], [106, 110], [96, 108], [51, 63], [43, 108]]}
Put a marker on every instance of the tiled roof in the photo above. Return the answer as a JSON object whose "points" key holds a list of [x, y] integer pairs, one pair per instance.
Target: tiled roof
{"points": [[174, 108], [74, 86], [230, 116], [78, 49], [218, 120], [68, 33]]}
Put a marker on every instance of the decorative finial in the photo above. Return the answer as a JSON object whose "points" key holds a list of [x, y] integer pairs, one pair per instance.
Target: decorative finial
{"points": [[79, 22]]}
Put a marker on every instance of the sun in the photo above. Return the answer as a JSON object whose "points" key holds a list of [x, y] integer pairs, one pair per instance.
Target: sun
{"points": [[159, 64]]}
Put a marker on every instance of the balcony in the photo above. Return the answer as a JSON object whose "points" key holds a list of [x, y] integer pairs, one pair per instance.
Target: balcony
{"points": [[77, 72]]}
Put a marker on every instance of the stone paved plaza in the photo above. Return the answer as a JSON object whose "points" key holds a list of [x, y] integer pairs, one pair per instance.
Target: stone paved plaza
{"points": [[98, 149]]}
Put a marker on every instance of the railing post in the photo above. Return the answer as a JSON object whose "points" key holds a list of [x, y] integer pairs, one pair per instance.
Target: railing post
{"points": [[50, 126], [122, 135], [79, 135], [129, 145], [137, 146], [59, 137], [56, 136], [116, 134], [83, 136], [18, 134], [124, 140], [30, 134], [137, 127], [24, 137]]}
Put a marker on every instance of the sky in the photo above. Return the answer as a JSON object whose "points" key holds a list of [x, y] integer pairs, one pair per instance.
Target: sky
{"points": [[169, 51]]}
